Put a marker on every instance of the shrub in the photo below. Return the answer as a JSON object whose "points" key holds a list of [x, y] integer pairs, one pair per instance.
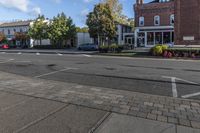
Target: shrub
{"points": [[116, 48], [103, 48], [158, 50], [184, 52]]}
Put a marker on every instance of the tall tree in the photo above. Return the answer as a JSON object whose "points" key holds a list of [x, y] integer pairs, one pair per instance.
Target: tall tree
{"points": [[101, 22], [116, 8], [38, 29], [61, 29], [2, 37]]}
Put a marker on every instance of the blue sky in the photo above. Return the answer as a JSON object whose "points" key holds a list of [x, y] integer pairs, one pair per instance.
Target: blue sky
{"points": [[28, 9]]}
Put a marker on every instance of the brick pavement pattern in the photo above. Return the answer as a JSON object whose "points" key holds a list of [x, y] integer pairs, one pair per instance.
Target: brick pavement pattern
{"points": [[165, 109]]}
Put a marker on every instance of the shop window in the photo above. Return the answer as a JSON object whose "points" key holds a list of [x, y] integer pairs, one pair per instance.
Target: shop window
{"points": [[158, 37], [150, 38], [166, 38]]}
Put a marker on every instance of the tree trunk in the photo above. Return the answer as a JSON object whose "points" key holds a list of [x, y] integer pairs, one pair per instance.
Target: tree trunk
{"points": [[40, 41]]}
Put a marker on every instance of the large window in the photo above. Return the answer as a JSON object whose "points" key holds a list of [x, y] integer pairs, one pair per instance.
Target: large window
{"points": [[141, 21], [156, 20], [150, 38], [158, 38], [166, 37], [172, 19]]}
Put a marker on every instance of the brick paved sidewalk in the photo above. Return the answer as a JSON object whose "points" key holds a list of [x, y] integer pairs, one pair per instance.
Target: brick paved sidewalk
{"points": [[166, 109]]}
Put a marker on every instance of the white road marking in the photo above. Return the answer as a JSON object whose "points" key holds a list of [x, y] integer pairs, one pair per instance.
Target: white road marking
{"points": [[59, 54], [191, 95], [19, 53], [174, 89], [37, 53], [23, 61], [46, 74], [87, 55], [3, 52], [187, 81], [6, 61]]}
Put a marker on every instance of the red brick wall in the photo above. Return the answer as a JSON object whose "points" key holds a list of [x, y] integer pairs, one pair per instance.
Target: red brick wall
{"points": [[187, 21], [149, 10]]}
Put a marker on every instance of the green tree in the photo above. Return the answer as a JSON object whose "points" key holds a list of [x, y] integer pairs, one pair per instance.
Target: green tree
{"points": [[61, 28], [101, 23], [38, 29], [83, 30]]}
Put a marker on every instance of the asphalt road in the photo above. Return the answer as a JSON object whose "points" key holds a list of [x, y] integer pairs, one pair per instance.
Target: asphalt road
{"points": [[175, 78]]}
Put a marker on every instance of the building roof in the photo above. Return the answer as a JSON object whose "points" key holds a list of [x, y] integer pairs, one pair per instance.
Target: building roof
{"points": [[14, 24]]}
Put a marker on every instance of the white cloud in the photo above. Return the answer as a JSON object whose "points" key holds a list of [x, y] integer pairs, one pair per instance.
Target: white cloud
{"points": [[87, 1], [21, 5]]}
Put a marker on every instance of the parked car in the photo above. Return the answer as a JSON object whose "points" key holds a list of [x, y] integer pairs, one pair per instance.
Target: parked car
{"points": [[88, 47], [5, 46]]}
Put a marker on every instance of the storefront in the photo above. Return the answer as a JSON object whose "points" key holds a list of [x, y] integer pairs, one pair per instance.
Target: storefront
{"points": [[151, 36]]}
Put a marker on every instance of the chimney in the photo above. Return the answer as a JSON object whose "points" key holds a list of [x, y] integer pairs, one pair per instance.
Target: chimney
{"points": [[139, 2]]}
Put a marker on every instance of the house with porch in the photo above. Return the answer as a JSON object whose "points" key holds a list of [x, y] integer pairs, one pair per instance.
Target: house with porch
{"points": [[154, 23]]}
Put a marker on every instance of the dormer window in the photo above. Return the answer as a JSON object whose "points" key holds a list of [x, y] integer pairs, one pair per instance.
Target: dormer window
{"points": [[141, 21], [156, 20], [172, 19]]}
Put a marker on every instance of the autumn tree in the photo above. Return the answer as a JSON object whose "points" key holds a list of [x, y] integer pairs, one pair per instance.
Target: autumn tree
{"points": [[101, 23], [2, 37]]}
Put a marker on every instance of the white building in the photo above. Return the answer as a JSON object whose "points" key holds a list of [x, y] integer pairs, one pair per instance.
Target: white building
{"points": [[125, 35], [83, 38], [9, 29]]}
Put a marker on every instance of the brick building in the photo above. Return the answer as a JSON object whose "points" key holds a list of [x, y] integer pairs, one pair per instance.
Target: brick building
{"points": [[154, 22], [187, 26]]}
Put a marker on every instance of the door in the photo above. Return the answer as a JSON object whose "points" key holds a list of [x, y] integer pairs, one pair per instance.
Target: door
{"points": [[141, 40]]}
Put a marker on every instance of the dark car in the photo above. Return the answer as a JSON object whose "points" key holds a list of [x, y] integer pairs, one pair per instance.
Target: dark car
{"points": [[88, 47]]}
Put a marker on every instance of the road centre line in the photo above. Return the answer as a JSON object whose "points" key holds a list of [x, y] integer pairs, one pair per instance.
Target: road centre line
{"points": [[62, 70]]}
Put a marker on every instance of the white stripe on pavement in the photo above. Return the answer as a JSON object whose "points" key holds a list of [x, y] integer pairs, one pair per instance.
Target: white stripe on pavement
{"points": [[46, 74], [19, 53], [59, 54], [174, 89], [191, 95], [187, 81], [86, 55], [37, 53]]}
